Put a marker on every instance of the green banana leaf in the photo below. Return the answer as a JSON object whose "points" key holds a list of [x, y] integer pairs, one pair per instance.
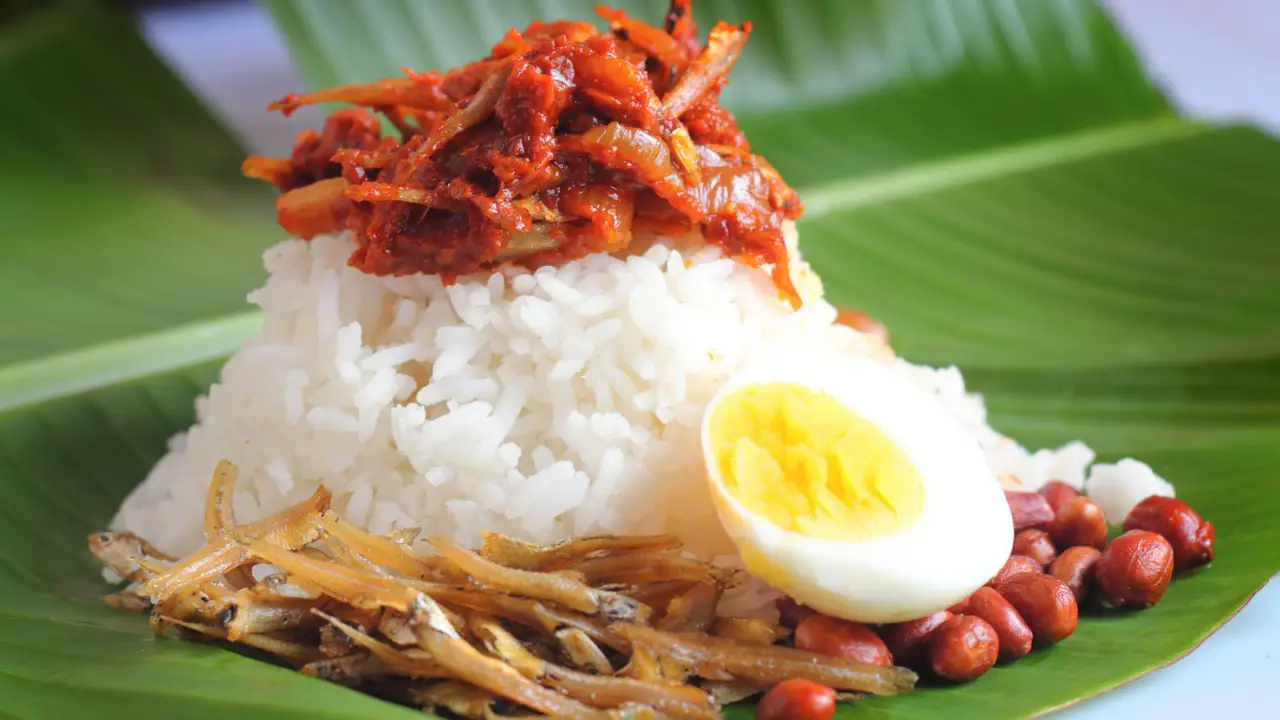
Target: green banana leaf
{"points": [[997, 180]]}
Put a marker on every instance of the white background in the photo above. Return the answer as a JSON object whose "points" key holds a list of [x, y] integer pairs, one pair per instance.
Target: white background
{"points": [[1219, 59]]}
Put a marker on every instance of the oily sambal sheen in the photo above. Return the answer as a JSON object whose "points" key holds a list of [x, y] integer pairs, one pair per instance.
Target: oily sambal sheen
{"points": [[564, 141]]}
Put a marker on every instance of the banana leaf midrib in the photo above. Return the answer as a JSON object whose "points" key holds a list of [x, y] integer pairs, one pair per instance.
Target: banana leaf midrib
{"points": [[35, 380]]}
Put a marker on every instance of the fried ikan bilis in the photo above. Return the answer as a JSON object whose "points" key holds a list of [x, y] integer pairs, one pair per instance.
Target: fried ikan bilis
{"points": [[572, 629]]}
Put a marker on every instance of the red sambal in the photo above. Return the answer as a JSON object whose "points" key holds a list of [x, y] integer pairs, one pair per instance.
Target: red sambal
{"points": [[563, 142]]}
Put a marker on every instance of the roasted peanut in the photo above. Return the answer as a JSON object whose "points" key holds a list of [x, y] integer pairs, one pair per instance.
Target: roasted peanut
{"points": [[1079, 522], [1075, 568], [1015, 636], [964, 648], [863, 323], [1015, 565], [1058, 494], [908, 641], [797, 699], [1045, 603], [1029, 510], [1036, 545], [1191, 537], [791, 613], [841, 638], [1134, 569]]}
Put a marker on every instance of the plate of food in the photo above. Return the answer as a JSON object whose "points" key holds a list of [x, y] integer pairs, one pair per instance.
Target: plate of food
{"points": [[858, 359]]}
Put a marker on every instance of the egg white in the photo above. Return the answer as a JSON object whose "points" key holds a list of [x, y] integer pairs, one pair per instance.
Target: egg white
{"points": [[960, 539]]}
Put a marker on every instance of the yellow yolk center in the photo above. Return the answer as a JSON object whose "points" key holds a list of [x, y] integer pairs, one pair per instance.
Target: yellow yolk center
{"points": [[807, 463]]}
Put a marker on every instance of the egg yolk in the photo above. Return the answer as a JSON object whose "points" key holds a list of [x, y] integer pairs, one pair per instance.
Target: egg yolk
{"points": [[806, 463]]}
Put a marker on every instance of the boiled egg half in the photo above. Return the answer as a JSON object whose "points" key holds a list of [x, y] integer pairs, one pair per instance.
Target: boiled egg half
{"points": [[845, 485]]}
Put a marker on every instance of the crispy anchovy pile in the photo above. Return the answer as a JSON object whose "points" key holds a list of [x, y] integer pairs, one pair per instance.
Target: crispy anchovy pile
{"points": [[564, 141], [598, 627]]}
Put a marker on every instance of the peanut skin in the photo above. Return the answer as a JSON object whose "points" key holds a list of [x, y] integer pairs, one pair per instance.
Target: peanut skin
{"points": [[832, 636], [1191, 537], [1079, 522], [862, 322], [963, 649], [1029, 510], [908, 641], [1036, 545], [1058, 494], [1075, 568], [1045, 603], [797, 699], [1014, 634], [791, 613], [1015, 565], [1134, 570]]}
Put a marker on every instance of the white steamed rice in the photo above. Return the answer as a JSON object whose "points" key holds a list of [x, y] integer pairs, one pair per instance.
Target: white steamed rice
{"points": [[544, 405]]}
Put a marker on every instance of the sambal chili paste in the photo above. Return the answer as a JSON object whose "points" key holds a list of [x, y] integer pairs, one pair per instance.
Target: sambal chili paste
{"points": [[563, 142]]}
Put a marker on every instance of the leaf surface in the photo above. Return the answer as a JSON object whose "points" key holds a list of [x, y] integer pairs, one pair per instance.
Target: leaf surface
{"points": [[996, 180]]}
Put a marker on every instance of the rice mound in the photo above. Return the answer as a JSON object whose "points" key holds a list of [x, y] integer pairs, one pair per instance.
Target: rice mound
{"points": [[540, 405]]}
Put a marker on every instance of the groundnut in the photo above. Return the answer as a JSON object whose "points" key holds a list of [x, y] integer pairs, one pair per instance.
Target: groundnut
{"points": [[1029, 510], [1036, 545], [1015, 565], [1058, 494], [1173, 519], [1079, 522], [791, 613], [863, 323], [1045, 603], [1134, 569], [832, 636], [908, 641], [963, 648], [1015, 636], [797, 699], [1075, 568]]}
